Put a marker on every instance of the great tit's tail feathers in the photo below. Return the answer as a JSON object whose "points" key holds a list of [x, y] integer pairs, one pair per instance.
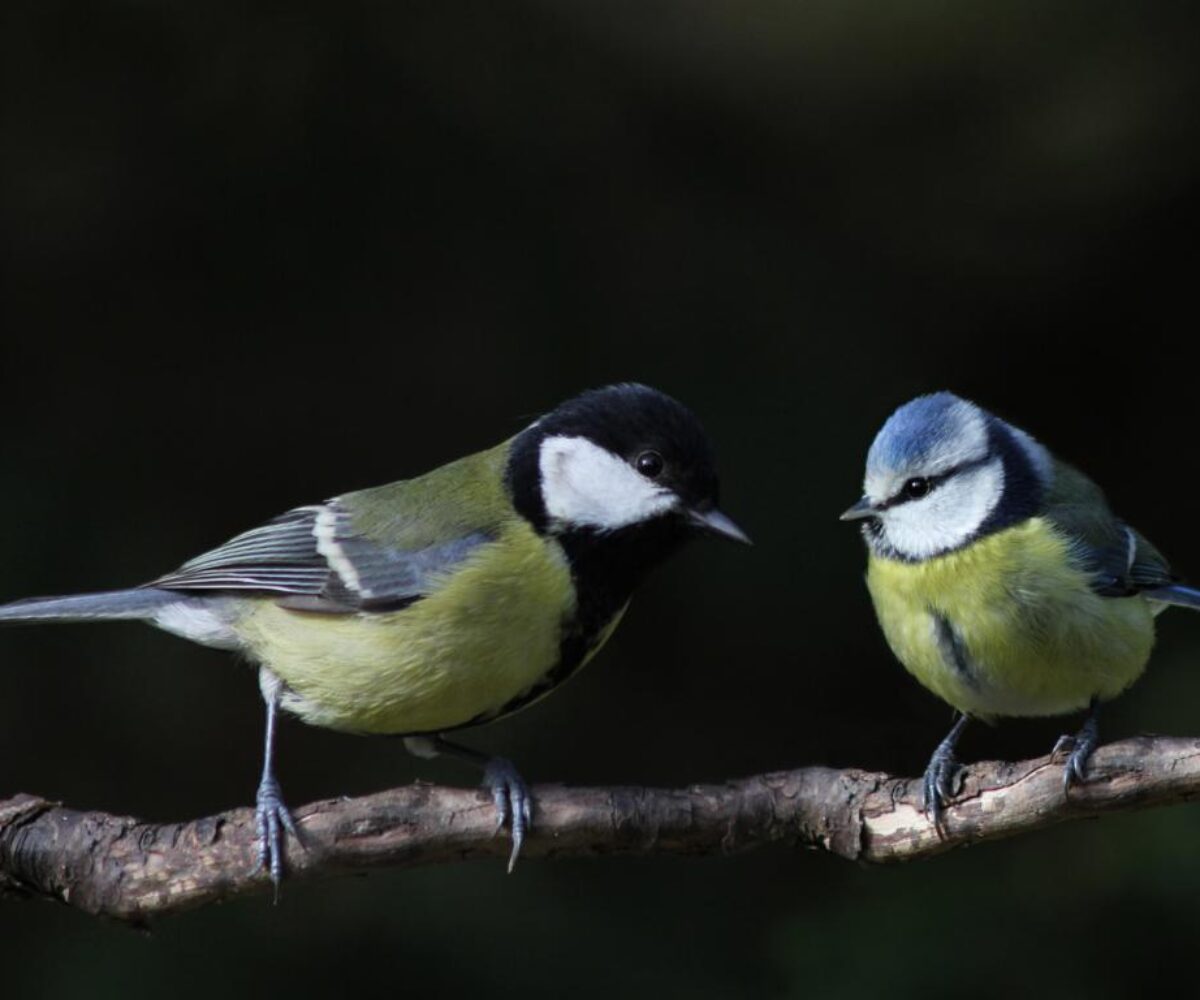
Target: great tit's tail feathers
{"points": [[1177, 594], [139, 603]]}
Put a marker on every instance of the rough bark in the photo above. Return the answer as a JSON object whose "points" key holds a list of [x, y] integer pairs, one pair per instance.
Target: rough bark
{"points": [[130, 869]]}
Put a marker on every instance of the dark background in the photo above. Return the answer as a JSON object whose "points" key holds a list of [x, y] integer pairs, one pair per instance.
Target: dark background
{"points": [[256, 258]]}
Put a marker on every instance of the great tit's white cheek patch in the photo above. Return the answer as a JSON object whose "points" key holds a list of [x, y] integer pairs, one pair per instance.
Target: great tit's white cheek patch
{"points": [[948, 516], [585, 485]]}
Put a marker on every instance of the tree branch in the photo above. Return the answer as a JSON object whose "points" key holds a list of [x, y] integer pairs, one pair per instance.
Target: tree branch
{"points": [[129, 869]]}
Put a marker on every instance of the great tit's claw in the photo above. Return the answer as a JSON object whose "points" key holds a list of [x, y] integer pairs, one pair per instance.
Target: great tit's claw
{"points": [[272, 821], [514, 804]]}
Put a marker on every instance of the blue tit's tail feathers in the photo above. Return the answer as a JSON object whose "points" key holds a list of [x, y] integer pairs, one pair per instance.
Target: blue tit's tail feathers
{"points": [[1177, 594], [138, 603]]}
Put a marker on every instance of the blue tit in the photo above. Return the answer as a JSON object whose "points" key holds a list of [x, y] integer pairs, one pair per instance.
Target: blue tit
{"points": [[448, 600], [1001, 579]]}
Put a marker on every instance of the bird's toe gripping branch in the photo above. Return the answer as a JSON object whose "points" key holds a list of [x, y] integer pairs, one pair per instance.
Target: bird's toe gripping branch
{"points": [[272, 821], [1081, 746], [514, 804], [939, 785]]}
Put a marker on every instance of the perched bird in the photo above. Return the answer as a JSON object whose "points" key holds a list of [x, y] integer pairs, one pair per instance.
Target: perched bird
{"points": [[1000, 577], [448, 600]]}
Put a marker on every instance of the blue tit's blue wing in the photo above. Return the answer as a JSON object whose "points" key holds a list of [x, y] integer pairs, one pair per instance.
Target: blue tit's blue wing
{"points": [[1123, 570], [313, 558], [1119, 559], [1177, 594]]}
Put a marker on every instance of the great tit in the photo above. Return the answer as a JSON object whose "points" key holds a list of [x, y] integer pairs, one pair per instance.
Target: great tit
{"points": [[448, 600], [1000, 577]]}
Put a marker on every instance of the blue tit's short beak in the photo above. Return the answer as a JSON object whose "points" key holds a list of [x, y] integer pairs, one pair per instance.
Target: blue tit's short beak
{"points": [[716, 523], [860, 511]]}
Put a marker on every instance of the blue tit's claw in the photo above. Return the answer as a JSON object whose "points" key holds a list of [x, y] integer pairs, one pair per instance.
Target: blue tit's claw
{"points": [[939, 785], [272, 822], [942, 781], [514, 804]]}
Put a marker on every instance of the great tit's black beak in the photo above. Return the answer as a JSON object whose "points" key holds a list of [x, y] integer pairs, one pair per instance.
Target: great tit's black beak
{"points": [[714, 522], [860, 511]]}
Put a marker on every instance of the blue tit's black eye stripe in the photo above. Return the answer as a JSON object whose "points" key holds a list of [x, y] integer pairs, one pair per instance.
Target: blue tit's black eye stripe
{"points": [[922, 486]]}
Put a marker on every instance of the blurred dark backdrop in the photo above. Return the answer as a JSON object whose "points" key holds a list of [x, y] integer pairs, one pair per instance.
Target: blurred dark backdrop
{"points": [[256, 257]]}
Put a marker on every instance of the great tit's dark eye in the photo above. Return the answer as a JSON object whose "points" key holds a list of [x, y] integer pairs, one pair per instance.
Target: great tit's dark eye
{"points": [[915, 488], [649, 464]]}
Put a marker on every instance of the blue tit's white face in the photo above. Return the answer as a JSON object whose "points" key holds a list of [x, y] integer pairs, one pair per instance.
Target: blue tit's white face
{"points": [[937, 475]]}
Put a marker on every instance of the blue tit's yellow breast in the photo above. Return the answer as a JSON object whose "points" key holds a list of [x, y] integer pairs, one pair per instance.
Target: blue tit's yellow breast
{"points": [[487, 633], [1009, 625]]}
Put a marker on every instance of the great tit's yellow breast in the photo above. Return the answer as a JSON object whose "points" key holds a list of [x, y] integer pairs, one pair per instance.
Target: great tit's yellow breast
{"points": [[488, 633], [1009, 625]]}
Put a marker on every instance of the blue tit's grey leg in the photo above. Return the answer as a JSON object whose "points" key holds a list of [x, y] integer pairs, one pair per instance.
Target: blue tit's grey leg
{"points": [[938, 786], [1081, 746], [271, 816], [514, 804]]}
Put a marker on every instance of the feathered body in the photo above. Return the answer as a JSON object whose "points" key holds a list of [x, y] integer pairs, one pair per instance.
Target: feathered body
{"points": [[483, 637], [471, 651], [1010, 626]]}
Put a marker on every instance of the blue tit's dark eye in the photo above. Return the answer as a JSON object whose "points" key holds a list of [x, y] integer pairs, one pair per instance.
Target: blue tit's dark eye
{"points": [[649, 464], [915, 488]]}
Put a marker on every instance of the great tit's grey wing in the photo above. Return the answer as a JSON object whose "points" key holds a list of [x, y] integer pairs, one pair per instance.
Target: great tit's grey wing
{"points": [[1120, 560], [315, 560], [281, 557]]}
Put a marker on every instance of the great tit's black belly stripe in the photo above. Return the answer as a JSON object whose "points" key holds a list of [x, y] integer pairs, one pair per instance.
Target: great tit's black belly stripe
{"points": [[606, 569], [573, 651]]}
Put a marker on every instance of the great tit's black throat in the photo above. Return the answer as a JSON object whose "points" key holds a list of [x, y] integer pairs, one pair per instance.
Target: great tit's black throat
{"points": [[606, 569]]}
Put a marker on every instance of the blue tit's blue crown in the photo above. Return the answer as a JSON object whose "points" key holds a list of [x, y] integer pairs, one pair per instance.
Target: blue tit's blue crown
{"points": [[919, 430]]}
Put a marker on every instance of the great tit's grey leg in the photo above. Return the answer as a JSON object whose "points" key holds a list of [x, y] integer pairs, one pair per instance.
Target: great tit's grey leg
{"points": [[271, 817], [514, 804], [938, 785], [1081, 746]]}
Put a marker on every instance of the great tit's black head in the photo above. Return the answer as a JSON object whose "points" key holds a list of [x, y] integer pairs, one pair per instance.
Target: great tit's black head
{"points": [[617, 458]]}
